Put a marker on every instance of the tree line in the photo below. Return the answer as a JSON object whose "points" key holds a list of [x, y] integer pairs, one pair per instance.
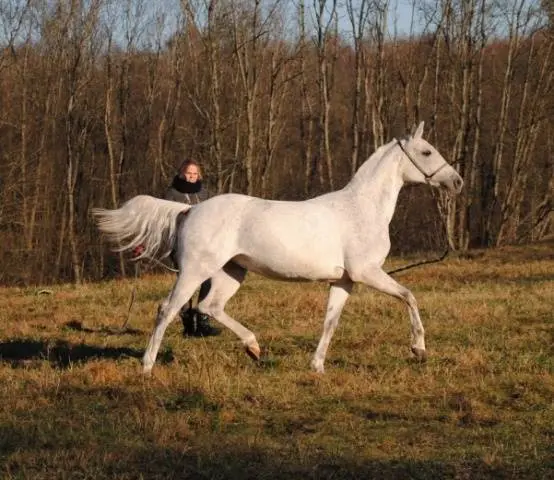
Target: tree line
{"points": [[102, 100]]}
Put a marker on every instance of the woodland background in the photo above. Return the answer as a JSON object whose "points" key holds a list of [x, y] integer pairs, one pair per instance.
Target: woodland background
{"points": [[101, 100]]}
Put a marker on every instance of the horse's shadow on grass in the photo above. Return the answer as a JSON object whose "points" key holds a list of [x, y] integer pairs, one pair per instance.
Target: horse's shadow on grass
{"points": [[61, 354], [78, 326]]}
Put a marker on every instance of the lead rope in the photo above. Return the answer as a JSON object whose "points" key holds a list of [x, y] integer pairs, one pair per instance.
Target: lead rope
{"points": [[135, 281], [440, 258], [447, 250], [132, 300]]}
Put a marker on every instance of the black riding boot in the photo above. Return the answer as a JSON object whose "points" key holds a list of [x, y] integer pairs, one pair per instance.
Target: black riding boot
{"points": [[196, 324]]}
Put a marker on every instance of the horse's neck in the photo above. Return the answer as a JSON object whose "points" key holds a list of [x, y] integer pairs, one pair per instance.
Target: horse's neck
{"points": [[377, 183]]}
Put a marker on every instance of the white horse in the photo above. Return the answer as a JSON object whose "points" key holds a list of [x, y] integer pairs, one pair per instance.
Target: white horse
{"points": [[341, 237]]}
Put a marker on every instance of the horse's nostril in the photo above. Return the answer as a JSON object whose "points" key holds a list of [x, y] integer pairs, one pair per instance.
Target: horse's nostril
{"points": [[458, 183]]}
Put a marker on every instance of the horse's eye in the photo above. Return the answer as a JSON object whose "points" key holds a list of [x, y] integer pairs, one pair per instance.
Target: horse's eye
{"points": [[427, 153]]}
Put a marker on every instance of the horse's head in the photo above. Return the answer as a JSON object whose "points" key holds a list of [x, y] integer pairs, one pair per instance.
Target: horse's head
{"points": [[422, 163]]}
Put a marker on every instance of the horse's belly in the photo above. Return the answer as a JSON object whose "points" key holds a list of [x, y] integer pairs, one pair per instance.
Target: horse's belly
{"points": [[292, 244], [305, 271]]}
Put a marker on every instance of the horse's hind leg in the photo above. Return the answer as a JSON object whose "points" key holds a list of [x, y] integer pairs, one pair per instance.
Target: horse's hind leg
{"points": [[225, 284], [338, 294], [182, 291]]}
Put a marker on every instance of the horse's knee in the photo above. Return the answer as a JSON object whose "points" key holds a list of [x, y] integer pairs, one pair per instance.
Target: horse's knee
{"points": [[409, 299]]}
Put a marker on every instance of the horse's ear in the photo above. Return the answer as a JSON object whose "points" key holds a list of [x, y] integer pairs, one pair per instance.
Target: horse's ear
{"points": [[419, 132]]}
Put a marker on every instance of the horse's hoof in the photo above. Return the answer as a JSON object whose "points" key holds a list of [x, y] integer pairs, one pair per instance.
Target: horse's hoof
{"points": [[253, 351], [420, 354]]}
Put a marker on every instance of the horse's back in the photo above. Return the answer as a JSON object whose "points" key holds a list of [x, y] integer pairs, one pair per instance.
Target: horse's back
{"points": [[289, 240]]}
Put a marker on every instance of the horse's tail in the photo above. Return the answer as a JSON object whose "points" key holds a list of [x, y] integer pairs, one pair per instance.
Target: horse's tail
{"points": [[142, 221]]}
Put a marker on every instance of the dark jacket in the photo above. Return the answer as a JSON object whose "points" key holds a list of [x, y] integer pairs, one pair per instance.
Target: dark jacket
{"points": [[190, 198]]}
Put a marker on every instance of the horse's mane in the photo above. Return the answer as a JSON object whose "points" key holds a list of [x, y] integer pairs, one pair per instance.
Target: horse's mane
{"points": [[374, 160]]}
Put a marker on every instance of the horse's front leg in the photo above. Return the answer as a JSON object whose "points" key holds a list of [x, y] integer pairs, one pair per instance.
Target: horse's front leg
{"points": [[376, 278], [338, 294]]}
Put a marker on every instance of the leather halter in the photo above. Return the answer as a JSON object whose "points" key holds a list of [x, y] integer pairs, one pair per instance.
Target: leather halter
{"points": [[428, 177]]}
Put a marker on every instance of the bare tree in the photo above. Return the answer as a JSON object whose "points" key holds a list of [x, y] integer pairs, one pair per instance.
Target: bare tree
{"points": [[359, 20], [214, 56], [520, 21], [537, 86], [376, 87], [541, 216], [472, 167], [465, 39], [326, 42], [75, 26], [14, 16], [248, 35], [117, 96], [172, 102], [205, 65], [116, 110], [278, 90], [17, 27], [414, 58], [548, 7], [306, 104]]}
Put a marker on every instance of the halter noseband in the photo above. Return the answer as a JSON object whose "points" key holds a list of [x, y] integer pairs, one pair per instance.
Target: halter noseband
{"points": [[428, 177]]}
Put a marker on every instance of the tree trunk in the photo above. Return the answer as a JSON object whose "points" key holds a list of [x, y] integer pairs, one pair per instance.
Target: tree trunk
{"points": [[307, 114], [359, 23], [325, 67]]}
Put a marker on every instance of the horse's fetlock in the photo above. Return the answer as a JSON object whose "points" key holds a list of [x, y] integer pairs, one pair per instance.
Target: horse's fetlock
{"points": [[317, 365], [419, 353]]}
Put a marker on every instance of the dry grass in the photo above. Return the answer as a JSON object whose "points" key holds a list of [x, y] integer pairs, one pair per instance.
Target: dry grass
{"points": [[75, 406]]}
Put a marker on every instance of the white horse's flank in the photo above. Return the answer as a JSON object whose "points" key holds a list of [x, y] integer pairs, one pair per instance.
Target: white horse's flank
{"points": [[341, 237]]}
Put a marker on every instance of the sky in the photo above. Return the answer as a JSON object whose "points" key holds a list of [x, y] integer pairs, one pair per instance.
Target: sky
{"points": [[399, 18], [400, 14], [166, 12]]}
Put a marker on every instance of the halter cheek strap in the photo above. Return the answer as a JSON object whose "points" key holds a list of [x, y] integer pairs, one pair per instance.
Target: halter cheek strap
{"points": [[427, 176]]}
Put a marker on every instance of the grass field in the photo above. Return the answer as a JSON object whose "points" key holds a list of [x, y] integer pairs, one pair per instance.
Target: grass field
{"points": [[75, 406]]}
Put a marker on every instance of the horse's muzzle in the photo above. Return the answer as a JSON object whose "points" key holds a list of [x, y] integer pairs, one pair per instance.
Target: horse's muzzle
{"points": [[457, 184], [453, 184]]}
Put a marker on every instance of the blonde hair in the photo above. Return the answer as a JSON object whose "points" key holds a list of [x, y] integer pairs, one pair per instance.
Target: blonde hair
{"points": [[188, 163]]}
